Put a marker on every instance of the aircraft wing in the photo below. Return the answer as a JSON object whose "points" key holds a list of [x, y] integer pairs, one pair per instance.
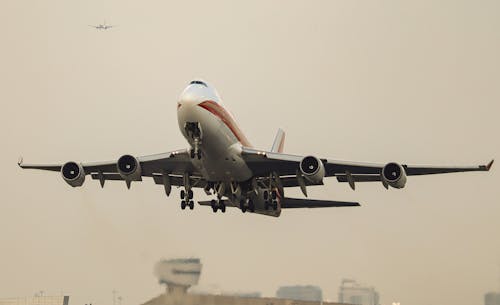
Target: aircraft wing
{"points": [[174, 164], [264, 163]]}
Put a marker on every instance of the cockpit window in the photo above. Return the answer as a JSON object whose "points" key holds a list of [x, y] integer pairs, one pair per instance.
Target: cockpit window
{"points": [[198, 82]]}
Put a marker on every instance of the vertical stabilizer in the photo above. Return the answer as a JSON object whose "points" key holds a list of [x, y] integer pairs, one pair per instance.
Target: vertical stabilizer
{"points": [[279, 141]]}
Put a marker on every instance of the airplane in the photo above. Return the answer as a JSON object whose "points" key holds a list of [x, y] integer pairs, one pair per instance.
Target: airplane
{"points": [[103, 26], [222, 162]]}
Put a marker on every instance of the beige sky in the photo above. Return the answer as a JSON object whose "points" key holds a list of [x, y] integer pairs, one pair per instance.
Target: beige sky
{"points": [[415, 82]]}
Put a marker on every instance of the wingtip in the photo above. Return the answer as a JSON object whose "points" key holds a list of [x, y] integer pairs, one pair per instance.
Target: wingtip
{"points": [[488, 166], [20, 161]]}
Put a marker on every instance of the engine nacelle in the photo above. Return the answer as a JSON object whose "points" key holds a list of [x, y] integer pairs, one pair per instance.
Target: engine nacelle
{"points": [[73, 173], [312, 168], [129, 168], [394, 174]]}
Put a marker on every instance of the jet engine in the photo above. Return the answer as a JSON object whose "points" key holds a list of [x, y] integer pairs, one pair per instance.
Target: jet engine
{"points": [[312, 168], [129, 168], [73, 173], [394, 174]]}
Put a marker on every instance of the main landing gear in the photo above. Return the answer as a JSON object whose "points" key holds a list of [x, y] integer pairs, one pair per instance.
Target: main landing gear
{"points": [[270, 200], [247, 205], [186, 199], [218, 205]]}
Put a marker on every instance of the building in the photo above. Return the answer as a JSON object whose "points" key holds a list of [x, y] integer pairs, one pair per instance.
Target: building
{"points": [[180, 274], [353, 293], [492, 298], [300, 293], [37, 300]]}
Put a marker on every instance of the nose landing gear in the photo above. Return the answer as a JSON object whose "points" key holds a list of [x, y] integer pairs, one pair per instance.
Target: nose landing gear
{"points": [[193, 130]]}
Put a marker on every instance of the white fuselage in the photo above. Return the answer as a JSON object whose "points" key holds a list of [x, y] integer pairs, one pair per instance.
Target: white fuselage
{"points": [[220, 138]]}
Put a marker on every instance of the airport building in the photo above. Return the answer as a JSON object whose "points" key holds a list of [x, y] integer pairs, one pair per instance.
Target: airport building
{"points": [[180, 274], [37, 300], [492, 298], [353, 293], [301, 293]]}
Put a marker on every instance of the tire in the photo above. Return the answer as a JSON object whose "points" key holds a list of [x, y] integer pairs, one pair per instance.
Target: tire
{"points": [[183, 194], [275, 205], [273, 195], [223, 208], [191, 204], [214, 209], [198, 155], [191, 153], [183, 204], [251, 206], [190, 194], [266, 195], [266, 205]]}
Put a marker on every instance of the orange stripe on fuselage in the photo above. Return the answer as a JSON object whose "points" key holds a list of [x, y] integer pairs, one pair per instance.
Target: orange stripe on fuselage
{"points": [[227, 119]]}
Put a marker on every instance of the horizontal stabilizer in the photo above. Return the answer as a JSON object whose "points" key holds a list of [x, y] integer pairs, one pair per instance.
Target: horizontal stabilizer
{"points": [[295, 203]]}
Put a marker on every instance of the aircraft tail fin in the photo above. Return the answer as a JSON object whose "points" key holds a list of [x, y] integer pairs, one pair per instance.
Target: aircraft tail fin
{"points": [[279, 141]]}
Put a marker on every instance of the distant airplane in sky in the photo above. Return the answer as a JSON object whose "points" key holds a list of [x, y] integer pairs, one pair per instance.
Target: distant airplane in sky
{"points": [[222, 161], [103, 26]]}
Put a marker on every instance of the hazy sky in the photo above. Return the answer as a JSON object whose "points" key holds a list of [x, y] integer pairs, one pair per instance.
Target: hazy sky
{"points": [[379, 81]]}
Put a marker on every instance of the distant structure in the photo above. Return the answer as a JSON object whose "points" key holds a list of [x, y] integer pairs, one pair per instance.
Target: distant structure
{"points": [[37, 300], [353, 293], [182, 273], [300, 293], [178, 274], [243, 294], [492, 298]]}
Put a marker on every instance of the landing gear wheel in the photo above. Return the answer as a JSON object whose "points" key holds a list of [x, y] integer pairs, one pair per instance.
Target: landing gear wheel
{"points": [[243, 207], [273, 195], [213, 205], [266, 195], [183, 204], [222, 207], [191, 204], [275, 205], [191, 153], [251, 206], [190, 194], [183, 194], [198, 155], [266, 205]]}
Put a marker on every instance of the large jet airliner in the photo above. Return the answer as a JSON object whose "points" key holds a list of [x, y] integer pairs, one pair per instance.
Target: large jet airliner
{"points": [[222, 161]]}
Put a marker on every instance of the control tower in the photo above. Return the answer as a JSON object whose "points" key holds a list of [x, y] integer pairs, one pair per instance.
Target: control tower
{"points": [[178, 274]]}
